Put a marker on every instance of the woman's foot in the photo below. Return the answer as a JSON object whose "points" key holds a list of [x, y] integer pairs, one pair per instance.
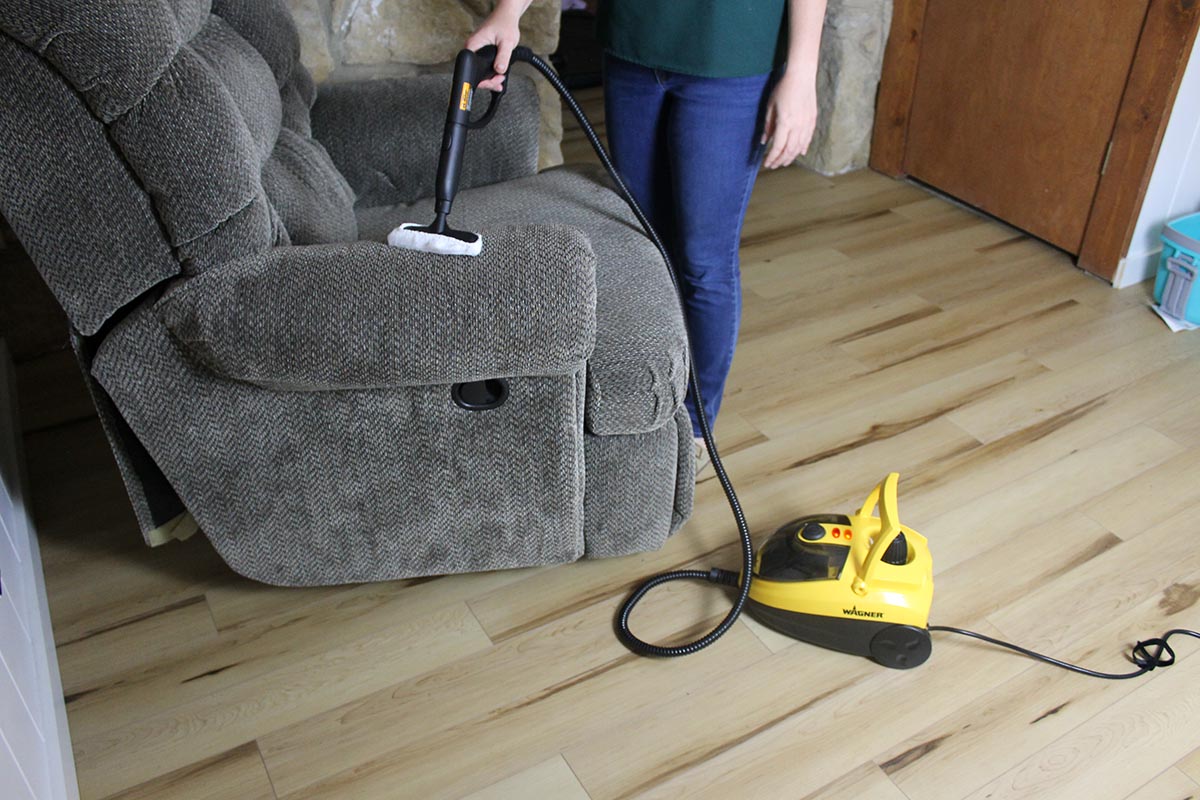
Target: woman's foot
{"points": [[702, 459]]}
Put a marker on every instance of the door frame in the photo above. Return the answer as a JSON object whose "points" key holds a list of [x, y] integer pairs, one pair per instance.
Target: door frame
{"points": [[1164, 44]]}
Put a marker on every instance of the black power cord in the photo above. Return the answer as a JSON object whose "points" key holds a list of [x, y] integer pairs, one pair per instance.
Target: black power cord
{"points": [[715, 576], [1141, 655]]}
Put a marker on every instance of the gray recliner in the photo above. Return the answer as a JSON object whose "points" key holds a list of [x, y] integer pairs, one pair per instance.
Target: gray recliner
{"points": [[213, 227]]}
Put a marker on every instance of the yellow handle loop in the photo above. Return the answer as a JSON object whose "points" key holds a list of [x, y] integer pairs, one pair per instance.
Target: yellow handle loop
{"points": [[883, 495]]}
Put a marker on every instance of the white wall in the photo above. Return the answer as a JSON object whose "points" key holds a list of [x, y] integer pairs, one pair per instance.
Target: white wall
{"points": [[35, 753], [1174, 188]]}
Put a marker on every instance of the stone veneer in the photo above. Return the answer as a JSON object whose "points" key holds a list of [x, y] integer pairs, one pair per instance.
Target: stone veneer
{"points": [[852, 45], [376, 38]]}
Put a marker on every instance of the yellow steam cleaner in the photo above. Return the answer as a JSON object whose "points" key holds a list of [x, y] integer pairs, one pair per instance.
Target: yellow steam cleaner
{"points": [[861, 584]]}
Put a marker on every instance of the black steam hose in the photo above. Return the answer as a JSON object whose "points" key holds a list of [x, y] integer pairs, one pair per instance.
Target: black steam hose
{"points": [[1146, 655], [714, 575]]}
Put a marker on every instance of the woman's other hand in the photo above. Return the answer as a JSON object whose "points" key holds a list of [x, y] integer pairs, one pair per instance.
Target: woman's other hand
{"points": [[501, 28], [792, 109], [790, 121]]}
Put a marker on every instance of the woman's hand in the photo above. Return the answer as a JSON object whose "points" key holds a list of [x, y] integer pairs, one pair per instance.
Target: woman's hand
{"points": [[501, 28], [791, 119]]}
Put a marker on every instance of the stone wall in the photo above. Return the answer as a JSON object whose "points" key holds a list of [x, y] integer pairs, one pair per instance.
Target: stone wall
{"points": [[353, 39], [852, 45], [350, 39]]}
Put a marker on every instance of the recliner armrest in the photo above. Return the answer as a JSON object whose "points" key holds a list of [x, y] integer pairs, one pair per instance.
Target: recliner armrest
{"points": [[385, 135], [365, 315]]}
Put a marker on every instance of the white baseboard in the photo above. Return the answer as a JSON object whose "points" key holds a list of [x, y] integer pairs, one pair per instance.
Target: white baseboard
{"points": [[1135, 268]]}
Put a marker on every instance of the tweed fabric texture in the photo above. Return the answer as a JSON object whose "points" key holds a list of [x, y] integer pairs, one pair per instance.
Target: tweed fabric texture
{"points": [[111, 52], [365, 315], [639, 488], [60, 180], [637, 374], [685, 470], [268, 26], [188, 141], [250, 230], [312, 199], [385, 136], [195, 103], [297, 97], [154, 501], [189, 130], [312, 488]]}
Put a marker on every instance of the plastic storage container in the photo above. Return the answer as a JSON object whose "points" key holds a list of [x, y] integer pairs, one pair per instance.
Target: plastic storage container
{"points": [[1176, 289]]}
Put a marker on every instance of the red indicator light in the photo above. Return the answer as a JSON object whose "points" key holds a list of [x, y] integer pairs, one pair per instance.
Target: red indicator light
{"points": [[837, 533]]}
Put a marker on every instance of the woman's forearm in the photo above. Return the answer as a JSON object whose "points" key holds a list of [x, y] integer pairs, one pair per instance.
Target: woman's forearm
{"points": [[792, 110], [517, 7], [806, 18]]}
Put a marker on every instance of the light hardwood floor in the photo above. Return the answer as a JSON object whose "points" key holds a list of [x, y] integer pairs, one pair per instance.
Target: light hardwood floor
{"points": [[1045, 427]]}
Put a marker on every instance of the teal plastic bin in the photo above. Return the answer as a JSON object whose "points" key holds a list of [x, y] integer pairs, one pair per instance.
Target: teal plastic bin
{"points": [[1175, 286]]}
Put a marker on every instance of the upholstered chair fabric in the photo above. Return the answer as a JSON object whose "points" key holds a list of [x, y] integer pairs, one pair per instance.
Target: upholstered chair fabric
{"points": [[212, 224]]}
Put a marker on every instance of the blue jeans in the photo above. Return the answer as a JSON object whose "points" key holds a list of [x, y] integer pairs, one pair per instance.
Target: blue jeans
{"points": [[688, 148]]}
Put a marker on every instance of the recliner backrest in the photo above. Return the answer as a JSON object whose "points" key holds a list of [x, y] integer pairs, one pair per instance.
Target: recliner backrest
{"points": [[145, 138]]}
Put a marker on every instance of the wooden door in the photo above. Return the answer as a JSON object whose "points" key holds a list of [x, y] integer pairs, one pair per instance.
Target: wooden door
{"points": [[1015, 103], [1047, 115]]}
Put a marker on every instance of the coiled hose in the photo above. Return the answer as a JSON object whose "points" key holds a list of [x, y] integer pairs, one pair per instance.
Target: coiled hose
{"points": [[714, 575]]}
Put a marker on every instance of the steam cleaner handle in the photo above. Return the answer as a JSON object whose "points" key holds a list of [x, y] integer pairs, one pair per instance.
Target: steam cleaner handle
{"points": [[469, 69]]}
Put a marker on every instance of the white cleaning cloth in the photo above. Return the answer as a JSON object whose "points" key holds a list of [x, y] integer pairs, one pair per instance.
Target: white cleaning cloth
{"points": [[409, 238]]}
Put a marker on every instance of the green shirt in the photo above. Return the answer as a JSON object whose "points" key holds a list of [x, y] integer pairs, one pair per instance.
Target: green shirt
{"points": [[710, 38]]}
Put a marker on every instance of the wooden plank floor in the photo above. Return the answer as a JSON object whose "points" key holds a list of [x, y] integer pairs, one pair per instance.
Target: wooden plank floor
{"points": [[1046, 430]]}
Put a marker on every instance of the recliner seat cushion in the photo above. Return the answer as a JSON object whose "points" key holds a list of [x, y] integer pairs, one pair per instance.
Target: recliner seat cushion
{"points": [[383, 134], [637, 374]]}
